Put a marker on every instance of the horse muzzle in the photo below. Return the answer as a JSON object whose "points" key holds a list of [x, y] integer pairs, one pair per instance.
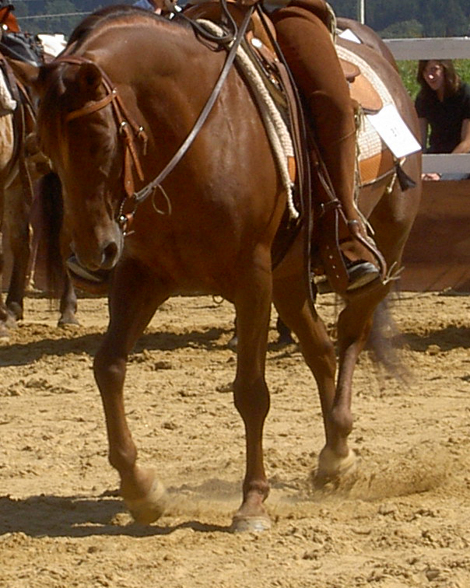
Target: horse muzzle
{"points": [[100, 254]]}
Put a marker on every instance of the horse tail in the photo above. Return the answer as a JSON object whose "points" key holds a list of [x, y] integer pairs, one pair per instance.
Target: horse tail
{"points": [[384, 341], [50, 214]]}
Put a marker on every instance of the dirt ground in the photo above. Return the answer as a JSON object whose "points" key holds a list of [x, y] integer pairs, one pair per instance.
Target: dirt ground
{"points": [[404, 523]]}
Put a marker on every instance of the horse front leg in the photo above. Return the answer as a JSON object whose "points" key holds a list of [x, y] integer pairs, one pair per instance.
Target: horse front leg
{"points": [[251, 396], [68, 303], [131, 309], [292, 302]]}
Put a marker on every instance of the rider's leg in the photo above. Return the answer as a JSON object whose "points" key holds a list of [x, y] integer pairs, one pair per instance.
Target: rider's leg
{"points": [[309, 51]]}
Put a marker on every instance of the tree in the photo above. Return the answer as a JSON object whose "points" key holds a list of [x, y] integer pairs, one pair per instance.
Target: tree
{"points": [[345, 8], [403, 30]]}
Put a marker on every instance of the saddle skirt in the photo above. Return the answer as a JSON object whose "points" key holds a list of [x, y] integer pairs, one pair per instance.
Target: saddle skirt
{"points": [[375, 159]]}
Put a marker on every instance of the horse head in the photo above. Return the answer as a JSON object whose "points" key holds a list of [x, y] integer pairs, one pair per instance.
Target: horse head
{"points": [[78, 131], [84, 145]]}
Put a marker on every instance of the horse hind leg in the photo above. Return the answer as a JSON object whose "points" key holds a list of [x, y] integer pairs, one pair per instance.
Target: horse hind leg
{"points": [[392, 220], [336, 460]]}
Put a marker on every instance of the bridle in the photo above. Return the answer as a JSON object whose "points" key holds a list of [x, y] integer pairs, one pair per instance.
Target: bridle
{"points": [[131, 131]]}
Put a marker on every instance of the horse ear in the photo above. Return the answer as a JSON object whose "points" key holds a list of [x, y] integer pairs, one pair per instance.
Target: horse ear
{"points": [[89, 78]]}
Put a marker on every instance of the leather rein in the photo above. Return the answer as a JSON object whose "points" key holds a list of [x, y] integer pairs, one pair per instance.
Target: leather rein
{"points": [[130, 130]]}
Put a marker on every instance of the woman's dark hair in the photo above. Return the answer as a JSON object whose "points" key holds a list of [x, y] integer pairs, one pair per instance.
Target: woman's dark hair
{"points": [[452, 81]]}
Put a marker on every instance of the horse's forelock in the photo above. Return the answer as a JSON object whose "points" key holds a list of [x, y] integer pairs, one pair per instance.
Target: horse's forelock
{"points": [[55, 83], [51, 113]]}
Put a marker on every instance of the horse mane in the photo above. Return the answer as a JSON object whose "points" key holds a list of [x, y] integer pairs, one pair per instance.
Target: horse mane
{"points": [[105, 16]]}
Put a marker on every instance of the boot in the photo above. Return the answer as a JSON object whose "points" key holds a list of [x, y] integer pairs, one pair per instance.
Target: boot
{"points": [[350, 258]]}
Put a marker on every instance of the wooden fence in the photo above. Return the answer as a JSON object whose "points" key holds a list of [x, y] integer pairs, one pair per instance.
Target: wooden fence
{"points": [[437, 255], [435, 48]]}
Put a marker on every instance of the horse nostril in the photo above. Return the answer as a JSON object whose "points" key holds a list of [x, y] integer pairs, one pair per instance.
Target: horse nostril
{"points": [[110, 253]]}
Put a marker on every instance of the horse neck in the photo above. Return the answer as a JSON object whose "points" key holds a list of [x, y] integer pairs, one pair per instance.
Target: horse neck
{"points": [[151, 46], [169, 63]]}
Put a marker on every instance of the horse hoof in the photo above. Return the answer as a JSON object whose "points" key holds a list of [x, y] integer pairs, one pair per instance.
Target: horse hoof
{"points": [[253, 524], [150, 508], [67, 321], [15, 311], [332, 468]]}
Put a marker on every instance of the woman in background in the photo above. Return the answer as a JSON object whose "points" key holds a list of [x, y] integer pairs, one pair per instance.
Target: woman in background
{"points": [[443, 107]]}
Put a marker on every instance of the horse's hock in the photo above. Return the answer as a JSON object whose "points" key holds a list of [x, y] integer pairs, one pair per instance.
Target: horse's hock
{"points": [[437, 254]]}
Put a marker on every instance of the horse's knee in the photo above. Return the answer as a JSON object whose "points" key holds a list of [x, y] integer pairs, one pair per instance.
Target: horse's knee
{"points": [[320, 356], [251, 401], [109, 372]]}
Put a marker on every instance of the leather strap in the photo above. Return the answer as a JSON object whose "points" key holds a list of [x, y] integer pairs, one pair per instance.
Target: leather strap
{"points": [[145, 192], [91, 107]]}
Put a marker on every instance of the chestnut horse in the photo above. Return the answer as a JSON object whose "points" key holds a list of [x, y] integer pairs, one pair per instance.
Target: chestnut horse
{"points": [[21, 165], [15, 201], [113, 111]]}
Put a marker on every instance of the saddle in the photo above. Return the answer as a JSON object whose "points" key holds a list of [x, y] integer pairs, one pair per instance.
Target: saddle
{"points": [[22, 47], [360, 88], [375, 160], [277, 80], [211, 10]]}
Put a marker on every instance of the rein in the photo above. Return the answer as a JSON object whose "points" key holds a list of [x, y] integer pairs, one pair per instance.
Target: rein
{"points": [[142, 194], [124, 121]]}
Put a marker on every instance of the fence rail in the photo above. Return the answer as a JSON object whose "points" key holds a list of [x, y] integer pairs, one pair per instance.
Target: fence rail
{"points": [[435, 48], [431, 48]]}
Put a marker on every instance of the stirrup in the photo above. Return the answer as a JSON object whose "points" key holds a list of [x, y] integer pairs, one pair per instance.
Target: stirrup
{"points": [[362, 274], [335, 263], [369, 244]]}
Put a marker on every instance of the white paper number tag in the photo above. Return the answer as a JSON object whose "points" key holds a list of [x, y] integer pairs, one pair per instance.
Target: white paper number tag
{"points": [[350, 36], [394, 132]]}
